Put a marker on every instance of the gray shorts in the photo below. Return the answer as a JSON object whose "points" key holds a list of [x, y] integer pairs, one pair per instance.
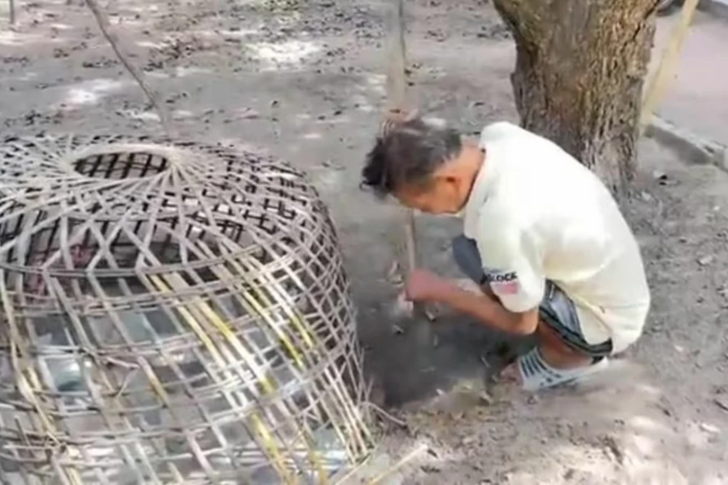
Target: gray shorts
{"points": [[556, 309]]}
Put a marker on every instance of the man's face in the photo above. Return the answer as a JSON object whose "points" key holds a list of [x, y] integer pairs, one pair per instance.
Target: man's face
{"points": [[440, 196], [447, 190]]}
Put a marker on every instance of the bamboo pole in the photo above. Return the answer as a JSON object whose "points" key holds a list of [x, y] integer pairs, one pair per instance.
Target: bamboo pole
{"points": [[103, 22], [396, 100], [397, 62], [656, 89]]}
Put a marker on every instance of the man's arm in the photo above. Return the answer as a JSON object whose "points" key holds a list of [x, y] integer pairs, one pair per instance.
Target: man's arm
{"points": [[512, 266], [517, 285], [488, 310], [423, 285]]}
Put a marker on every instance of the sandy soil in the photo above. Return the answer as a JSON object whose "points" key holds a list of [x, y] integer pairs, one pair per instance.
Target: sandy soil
{"points": [[304, 80]]}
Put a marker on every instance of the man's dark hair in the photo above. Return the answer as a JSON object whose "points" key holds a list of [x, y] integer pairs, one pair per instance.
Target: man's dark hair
{"points": [[408, 153]]}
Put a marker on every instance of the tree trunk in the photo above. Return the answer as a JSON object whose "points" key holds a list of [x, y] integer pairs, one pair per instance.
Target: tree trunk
{"points": [[580, 68]]}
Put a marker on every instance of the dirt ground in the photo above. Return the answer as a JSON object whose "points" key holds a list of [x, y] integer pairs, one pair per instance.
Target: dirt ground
{"points": [[303, 80]]}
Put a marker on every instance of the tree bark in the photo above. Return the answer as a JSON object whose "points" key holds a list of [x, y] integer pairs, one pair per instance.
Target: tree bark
{"points": [[580, 69]]}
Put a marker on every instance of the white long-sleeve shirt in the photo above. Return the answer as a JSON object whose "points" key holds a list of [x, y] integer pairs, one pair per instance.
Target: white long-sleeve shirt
{"points": [[537, 214]]}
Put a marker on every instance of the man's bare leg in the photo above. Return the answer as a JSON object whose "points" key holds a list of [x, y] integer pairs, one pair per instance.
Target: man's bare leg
{"points": [[554, 351]]}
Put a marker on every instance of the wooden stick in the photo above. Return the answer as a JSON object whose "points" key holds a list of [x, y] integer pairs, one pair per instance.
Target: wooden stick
{"points": [[421, 448], [384, 414], [656, 88], [397, 63], [396, 100], [12, 11], [105, 27]]}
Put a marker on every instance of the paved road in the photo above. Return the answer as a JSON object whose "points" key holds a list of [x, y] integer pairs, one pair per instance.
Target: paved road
{"points": [[698, 96]]}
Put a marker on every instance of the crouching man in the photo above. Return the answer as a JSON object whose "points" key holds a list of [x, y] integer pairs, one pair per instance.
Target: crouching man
{"points": [[543, 238]]}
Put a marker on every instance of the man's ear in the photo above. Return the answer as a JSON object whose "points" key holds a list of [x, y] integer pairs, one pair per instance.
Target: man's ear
{"points": [[448, 174], [451, 179]]}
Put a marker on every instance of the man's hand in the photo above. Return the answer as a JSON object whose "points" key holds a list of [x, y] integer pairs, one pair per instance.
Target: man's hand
{"points": [[394, 119], [423, 286]]}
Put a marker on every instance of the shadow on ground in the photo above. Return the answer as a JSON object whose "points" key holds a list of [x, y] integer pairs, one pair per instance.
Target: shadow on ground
{"points": [[429, 358]]}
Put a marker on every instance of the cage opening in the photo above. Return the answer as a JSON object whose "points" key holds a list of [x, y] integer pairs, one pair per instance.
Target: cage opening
{"points": [[119, 166]]}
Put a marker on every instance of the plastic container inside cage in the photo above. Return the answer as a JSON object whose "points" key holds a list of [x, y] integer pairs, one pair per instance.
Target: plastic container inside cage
{"points": [[171, 314]]}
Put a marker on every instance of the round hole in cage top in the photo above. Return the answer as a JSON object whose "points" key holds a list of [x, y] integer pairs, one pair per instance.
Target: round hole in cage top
{"points": [[171, 313]]}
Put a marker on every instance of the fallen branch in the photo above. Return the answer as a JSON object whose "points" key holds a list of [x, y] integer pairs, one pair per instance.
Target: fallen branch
{"points": [[398, 465], [384, 414], [105, 27]]}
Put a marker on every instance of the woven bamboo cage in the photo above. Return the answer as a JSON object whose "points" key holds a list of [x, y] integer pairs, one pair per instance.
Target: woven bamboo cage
{"points": [[172, 313]]}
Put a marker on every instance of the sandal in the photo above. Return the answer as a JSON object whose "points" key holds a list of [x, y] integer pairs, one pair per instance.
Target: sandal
{"points": [[536, 374]]}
